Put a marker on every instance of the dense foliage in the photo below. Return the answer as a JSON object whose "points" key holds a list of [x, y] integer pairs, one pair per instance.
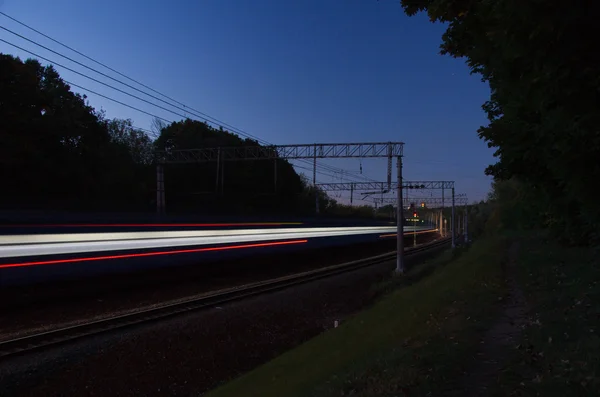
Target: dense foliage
{"points": [[542, 65], [243, 186], [57, 152]]}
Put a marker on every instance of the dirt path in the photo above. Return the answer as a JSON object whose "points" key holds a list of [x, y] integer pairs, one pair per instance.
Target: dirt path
{"points": [[499, 339]]}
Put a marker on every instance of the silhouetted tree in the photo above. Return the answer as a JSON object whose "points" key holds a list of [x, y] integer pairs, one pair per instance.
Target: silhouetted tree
{"points": [[138, 144], [542, 67], [243, 186], [56, 151]]}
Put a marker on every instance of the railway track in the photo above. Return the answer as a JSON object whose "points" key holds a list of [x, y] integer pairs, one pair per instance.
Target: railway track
{"points": [[58, 336]]}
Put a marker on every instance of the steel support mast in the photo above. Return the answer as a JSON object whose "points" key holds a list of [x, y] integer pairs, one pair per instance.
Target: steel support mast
{"points": [[430, 202], [399, 222], [452, 227], [311, 151], [160, 189]]}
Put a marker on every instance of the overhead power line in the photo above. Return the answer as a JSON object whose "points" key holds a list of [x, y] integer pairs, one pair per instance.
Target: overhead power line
{"points": [[102, 74], [117, 101], [89, 58], [153, 115], [310, 169], [185, 109], [93, 79], [121, 91]]}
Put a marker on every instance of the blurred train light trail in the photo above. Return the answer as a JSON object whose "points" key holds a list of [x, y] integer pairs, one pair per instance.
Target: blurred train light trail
{"points": [[161, 224], [32, 245], [146, 254]]}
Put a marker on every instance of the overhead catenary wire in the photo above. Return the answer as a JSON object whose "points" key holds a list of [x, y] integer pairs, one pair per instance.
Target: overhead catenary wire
{"points": [[203, 116], [181, 106], [89, 58], [116, 101], [100, 73], [91, 78], [310, 169], [153, 115], [114, 88], [185, 109]]}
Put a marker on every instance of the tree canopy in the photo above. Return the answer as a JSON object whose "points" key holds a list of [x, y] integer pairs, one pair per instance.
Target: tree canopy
{"points": [[235, 186], [58, 152], [55, 149], [541, 62]]}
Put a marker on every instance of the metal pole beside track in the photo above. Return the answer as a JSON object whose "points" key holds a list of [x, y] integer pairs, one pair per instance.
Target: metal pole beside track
{"points": [[218, 171], [415, 234], [442, 220], [453, 225], [275, 176], [223, 178], [466, 226], [315, 180], [160, 188], [399, 223], [459, 215]]}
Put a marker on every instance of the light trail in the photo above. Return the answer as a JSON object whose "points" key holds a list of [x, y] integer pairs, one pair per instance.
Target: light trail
{"points": [[146, 254], [103, 225], [78, 243]]}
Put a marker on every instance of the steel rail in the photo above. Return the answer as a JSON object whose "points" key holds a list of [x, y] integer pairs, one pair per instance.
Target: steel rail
{"points": [[58, 336]]}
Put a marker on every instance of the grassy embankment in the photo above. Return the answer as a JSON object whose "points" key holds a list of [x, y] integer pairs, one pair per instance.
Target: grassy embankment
{"points": [[414, 339], [423, 338]]}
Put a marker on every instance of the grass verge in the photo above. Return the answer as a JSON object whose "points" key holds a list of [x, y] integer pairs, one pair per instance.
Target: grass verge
{"points": [[558, 351], [416, 340]]}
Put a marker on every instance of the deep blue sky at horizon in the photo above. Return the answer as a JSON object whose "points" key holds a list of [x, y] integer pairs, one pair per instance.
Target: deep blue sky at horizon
{"points": [[287, 72]]}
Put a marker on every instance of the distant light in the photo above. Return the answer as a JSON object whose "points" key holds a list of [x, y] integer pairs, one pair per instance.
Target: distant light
{"points": [[43, 111]]}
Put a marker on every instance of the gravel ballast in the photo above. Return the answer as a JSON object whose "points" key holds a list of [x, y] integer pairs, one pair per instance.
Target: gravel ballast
{"points": [[187, 355], [192, 353], [33, 309]]}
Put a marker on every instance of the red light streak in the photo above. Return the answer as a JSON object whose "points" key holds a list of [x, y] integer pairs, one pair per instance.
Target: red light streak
{"points": [[144, 254]]}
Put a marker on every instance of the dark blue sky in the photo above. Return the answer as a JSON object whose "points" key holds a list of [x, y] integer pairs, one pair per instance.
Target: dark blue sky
{"points": [[286, 71]]}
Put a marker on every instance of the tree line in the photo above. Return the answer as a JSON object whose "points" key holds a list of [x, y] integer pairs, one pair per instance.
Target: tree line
{"points": [[58, 152], [541, 63]]}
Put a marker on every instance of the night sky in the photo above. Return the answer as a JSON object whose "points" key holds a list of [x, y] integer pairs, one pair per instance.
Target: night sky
{"points": [[286, 71]]}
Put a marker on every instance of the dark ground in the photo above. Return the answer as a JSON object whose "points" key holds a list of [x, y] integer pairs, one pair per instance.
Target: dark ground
{"points": [[193, 353], [36, 308]]}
